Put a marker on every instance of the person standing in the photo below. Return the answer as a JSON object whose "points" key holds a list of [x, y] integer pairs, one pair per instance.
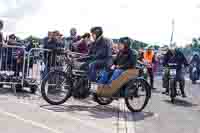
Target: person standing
{"points": [[1, 34], [73, 38], [149, 59]]}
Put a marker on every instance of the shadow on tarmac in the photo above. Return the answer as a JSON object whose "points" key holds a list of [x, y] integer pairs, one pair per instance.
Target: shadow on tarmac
{"points": [[183, 103], [9, 91], [100, 112], [142, 115]]}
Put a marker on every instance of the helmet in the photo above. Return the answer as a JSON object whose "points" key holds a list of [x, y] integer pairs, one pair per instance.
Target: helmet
{"points": [[98, 31], [1, 24], [12, 36], [125, 40]]}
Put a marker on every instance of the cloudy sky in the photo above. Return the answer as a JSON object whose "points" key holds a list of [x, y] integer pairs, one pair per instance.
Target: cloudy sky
{"points": [[145, 20]]}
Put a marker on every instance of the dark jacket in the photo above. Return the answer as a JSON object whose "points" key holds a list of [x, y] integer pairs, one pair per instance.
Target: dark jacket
{"points": [[82, 47], [1, 37], [196, 59], [141, 56], [101, 51], [125, 59], [71, 41], [167, 57], [178, 58], [50, 57]]}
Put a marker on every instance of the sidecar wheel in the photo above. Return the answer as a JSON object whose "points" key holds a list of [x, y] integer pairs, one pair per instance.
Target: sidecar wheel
{"points": [[103, 100], [134, 103]]}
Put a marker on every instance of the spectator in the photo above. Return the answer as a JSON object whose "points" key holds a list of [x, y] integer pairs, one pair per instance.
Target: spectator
{"points": [[115, 48], [149, 58], [32, 43], [15, 55], [49, 57], [1, 34], [83, 45], [52, 42], [141, 55], [72, 38]]}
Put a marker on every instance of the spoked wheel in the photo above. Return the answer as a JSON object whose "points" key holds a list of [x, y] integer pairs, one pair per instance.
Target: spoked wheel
{"points": [[56, 88], [140, 95], [103, 100]]}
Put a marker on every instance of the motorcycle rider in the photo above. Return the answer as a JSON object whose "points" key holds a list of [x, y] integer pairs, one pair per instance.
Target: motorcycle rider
{"points": [[174, 55], [195, 60], [101, 51], [149, 58], [124, 60]]}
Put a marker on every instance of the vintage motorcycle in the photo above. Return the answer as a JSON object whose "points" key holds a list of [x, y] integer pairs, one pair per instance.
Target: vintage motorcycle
{"points": [[171, 71], [72, 81], [194, 72]]}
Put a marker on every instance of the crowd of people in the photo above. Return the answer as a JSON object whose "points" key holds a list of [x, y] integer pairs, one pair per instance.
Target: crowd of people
{"points": [[102, 49]]}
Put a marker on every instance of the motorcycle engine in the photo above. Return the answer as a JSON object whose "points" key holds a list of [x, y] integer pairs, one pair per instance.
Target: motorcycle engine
{"points": [[81, 88]]}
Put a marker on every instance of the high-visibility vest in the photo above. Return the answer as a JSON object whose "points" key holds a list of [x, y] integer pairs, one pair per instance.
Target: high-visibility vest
{"points": [[148, 57]]}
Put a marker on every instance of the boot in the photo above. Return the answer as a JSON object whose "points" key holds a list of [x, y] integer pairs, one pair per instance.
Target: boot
{"points": [[182, 86]]}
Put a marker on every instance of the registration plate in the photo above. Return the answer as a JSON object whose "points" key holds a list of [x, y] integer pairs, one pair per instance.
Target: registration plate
{"points": [[194, 69], [173, 72]]}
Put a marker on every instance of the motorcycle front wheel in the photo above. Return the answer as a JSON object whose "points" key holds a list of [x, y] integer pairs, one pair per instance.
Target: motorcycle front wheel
{"points": [[56, 88]]}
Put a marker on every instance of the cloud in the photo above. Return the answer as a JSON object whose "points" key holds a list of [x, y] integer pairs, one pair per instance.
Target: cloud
{"points": [[16, 10], [148, 21]]}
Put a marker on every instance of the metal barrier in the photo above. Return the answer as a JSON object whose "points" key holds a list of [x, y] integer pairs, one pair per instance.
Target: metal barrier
{"points": [[39, 62], [12, 66]]}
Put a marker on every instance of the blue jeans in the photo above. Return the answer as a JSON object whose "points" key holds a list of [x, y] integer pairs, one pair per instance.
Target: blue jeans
{"points": [[92, 72], [105, 76], [115, 75], [94, 67]]}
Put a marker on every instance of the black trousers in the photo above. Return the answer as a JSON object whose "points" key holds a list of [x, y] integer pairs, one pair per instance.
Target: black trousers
{"points": [[151, 76], [179, 79]]}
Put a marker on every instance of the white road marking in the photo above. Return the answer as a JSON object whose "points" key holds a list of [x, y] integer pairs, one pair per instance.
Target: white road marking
{"points": [[126, 126], [93, 125], [29, 121]]}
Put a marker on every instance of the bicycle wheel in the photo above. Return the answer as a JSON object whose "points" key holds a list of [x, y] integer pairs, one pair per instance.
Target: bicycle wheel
{"points": [[140, 95], [56, 88]]}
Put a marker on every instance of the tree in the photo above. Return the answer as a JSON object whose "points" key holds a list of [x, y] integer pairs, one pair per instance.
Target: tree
{"points": [[196, 43]]}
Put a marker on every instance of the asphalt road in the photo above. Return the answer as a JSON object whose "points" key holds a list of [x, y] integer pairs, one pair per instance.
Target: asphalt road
{"points": [[30, 113]]}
